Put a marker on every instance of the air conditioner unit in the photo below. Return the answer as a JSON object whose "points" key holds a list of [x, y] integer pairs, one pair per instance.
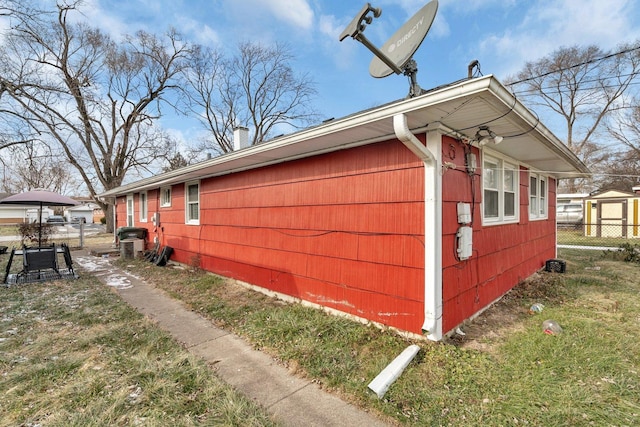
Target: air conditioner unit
{"points": [[131, 248]]}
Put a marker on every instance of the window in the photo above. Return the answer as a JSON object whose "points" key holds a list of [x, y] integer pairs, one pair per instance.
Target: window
{"points": [[165, 197], [499, 186], [537, 196], [143, 207], [192, 207], [130, 210]]}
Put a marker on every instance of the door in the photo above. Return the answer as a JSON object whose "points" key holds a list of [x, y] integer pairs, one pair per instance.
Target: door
{"points": [[612, 218]]}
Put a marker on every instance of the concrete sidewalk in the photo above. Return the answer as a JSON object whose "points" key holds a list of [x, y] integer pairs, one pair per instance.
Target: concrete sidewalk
{"points": [[292, 401]]}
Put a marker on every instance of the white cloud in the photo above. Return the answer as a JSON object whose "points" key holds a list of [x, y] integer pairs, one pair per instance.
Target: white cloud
{"points": [[548, 25], [295, 12], [200, 33]]}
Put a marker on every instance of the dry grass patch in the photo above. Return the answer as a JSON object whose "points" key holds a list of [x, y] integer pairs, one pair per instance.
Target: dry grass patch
{"points": [[72, 353], [504, 371]]}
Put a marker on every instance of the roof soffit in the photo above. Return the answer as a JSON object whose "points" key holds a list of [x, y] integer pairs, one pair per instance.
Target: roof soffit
{"points": [[461, 107]]}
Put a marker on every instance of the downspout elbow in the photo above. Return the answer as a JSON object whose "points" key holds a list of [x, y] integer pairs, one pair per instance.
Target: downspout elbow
{"points": [[404, 134]]}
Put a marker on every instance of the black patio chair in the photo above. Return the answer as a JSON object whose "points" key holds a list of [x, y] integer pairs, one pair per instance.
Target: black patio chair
{"points": [[8, 268], [39, 259], [66, 252]]}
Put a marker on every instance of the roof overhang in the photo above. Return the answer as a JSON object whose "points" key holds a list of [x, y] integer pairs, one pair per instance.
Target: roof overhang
{"points": [[461, 107]]}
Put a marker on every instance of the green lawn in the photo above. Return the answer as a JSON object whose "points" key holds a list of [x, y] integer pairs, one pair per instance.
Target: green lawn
{"points": [[572, 236], [506, 371], [73, 354]]}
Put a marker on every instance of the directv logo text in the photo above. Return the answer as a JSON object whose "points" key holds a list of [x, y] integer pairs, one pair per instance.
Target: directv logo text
{"points": [[406, 36]]}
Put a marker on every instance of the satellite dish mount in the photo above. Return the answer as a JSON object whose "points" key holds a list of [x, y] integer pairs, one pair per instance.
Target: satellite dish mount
{"points": [[396, 55]]}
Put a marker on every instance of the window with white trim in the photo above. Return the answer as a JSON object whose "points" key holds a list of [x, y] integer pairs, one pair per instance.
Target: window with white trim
{"points": [[165, 197], [499, 189], [192, 203], [129, 210], [537, 196], [143, 206]]}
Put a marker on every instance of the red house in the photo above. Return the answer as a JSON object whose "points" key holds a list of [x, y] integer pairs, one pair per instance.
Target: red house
{"points": [[417, 214]]}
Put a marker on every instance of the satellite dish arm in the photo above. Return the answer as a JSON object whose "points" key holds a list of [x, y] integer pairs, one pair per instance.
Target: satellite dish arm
{"points": [[358, 25]]}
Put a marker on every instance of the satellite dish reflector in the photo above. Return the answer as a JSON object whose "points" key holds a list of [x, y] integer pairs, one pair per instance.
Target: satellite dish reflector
{"points": [[404, 43]]}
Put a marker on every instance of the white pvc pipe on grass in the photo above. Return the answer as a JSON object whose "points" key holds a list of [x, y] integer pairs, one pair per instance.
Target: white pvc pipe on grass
{"points": [[392, 372]]}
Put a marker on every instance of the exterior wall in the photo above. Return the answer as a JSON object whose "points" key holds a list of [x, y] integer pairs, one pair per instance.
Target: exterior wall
{"points": [[503, 255], [343, 230], [15, 214], [346, 230]]}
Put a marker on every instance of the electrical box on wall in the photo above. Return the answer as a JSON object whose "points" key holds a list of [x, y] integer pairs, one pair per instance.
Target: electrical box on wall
{"points": [[464, 213], [465, 242], [471, 163], [156, 219]]}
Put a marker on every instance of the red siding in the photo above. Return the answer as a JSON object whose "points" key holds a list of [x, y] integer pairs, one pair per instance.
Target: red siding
{"points": [[344, 230], [503, 255]]}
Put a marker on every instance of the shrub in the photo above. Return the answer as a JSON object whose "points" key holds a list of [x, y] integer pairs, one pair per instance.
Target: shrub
{"points": [[627, 252], [30, 232]]}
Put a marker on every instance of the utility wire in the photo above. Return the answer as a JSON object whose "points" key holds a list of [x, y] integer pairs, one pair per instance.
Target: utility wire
{"points": [[591, 61]]}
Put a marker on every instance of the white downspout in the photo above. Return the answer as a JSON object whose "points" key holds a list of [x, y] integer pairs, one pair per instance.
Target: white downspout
{"points": [[431, 157]]}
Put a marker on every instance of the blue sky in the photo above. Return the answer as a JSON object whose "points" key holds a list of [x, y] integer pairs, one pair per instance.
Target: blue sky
{"points": [[501, 34]]}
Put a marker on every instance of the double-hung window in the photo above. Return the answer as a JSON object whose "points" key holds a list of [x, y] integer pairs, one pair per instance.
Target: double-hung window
{"points": [[143, 207], [192, 203], [499, 189], [537, 196], [165, 197], [130, 210]]}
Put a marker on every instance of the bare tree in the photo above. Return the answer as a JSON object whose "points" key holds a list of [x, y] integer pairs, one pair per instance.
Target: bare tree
{"points": [[624, 167], [257, 88], [28, 167], [95, 99], [580, 86], [177, 161], [626, 128]]}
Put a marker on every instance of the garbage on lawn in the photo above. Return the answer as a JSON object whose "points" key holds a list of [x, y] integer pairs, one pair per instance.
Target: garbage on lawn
{"points": [[551, 327], [536, 308]]}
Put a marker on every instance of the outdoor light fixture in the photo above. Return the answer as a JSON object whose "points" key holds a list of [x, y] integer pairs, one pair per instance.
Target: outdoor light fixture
{"points": [[486, 135]]}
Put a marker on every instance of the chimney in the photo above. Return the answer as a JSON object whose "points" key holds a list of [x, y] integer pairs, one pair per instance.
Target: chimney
{"points": [[636, 189], [240, 138]]}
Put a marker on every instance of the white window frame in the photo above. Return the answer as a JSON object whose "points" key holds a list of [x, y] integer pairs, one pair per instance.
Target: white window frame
{"points": [[130, 220], [165, 197], [501, 187], [188, 203], [143, 200], [538, 196]]}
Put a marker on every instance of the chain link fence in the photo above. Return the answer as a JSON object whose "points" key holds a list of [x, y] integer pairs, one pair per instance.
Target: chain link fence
{"points": [[74, 235], [601, 235]]}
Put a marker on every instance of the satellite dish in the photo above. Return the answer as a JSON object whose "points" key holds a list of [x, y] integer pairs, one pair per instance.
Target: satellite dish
{"points": [[396, 54], [404, 43]]}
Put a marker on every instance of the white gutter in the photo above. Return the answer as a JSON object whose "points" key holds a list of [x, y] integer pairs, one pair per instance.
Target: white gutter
{"points": [[267, 153], [430, 156]]}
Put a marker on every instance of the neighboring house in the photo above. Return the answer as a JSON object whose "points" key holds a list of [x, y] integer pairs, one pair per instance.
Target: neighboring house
{"points": [[14, 214], [398, 215], [613, 213], [82, 212]]}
